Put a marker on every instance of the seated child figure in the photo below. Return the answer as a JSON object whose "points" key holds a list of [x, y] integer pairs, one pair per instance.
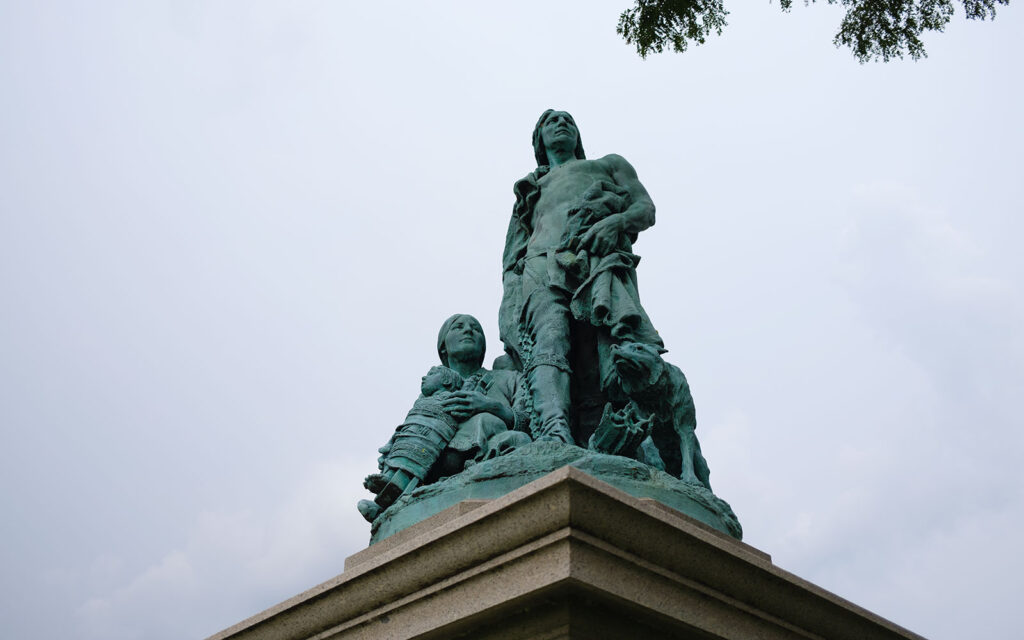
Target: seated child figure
{"points": [[416, 444]]}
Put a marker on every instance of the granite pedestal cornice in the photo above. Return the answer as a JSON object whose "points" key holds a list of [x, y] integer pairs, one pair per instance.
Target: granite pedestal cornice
{"points": [[566, 556]]}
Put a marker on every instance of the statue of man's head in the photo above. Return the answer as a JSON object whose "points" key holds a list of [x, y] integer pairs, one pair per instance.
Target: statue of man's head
{"points": [[556, 117]]}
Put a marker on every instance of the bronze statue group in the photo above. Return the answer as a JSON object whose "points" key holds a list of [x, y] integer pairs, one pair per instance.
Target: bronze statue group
{"points": [[583, 364]]}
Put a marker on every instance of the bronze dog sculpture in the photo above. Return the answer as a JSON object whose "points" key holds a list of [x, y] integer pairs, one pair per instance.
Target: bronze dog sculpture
{"points": [[660, 389]]}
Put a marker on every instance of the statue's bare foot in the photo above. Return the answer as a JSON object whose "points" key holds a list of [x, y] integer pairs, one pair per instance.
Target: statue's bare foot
{"points": [[369, 509]]}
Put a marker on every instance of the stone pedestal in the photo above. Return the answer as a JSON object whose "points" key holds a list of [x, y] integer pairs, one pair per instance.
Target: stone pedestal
{"points": [[566, 556]]}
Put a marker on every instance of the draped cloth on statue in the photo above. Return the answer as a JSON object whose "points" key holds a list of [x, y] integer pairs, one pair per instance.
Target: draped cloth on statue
{"points": [[608, 297]]}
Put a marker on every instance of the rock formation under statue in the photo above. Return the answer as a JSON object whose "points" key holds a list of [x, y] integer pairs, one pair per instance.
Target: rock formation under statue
{"points": [[583, 381]]}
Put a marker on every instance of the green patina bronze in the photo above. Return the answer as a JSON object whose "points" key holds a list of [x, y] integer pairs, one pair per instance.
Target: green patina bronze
{"points": [[583, 381]]}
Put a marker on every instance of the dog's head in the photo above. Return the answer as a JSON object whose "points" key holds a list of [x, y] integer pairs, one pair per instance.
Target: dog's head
{"points": [[637, 365]]}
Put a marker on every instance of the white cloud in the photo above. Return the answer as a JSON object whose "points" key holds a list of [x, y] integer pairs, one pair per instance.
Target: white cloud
{"points": [[925, 284], [237, 563]]}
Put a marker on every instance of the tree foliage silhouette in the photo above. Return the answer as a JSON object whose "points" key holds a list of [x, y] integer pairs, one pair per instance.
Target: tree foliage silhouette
{"points": [[872, 29]]}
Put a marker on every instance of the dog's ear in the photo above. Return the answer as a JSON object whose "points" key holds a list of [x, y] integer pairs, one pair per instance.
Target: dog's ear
{"points": [[655, 373]]}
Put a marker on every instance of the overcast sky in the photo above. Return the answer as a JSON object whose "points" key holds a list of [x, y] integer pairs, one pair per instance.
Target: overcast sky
{"points": [[229, 232]]}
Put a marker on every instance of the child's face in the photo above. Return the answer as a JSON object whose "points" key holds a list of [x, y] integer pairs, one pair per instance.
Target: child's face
{"points": [[433, 381]]}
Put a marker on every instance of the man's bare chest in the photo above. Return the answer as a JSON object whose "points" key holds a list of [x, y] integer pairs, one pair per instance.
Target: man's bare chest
{"points": [[564, 185]]}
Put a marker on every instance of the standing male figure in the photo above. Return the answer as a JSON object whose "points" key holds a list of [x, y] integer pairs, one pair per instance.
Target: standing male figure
{"points": [[569, 277]]}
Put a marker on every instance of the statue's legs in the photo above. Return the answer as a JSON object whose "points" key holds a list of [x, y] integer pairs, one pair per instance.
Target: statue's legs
{"points": [[546, 319], [588, 394], [549, 386]]}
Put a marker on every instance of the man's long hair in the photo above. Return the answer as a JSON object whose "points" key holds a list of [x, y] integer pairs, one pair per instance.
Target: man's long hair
{"points": [[540, 152]]}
